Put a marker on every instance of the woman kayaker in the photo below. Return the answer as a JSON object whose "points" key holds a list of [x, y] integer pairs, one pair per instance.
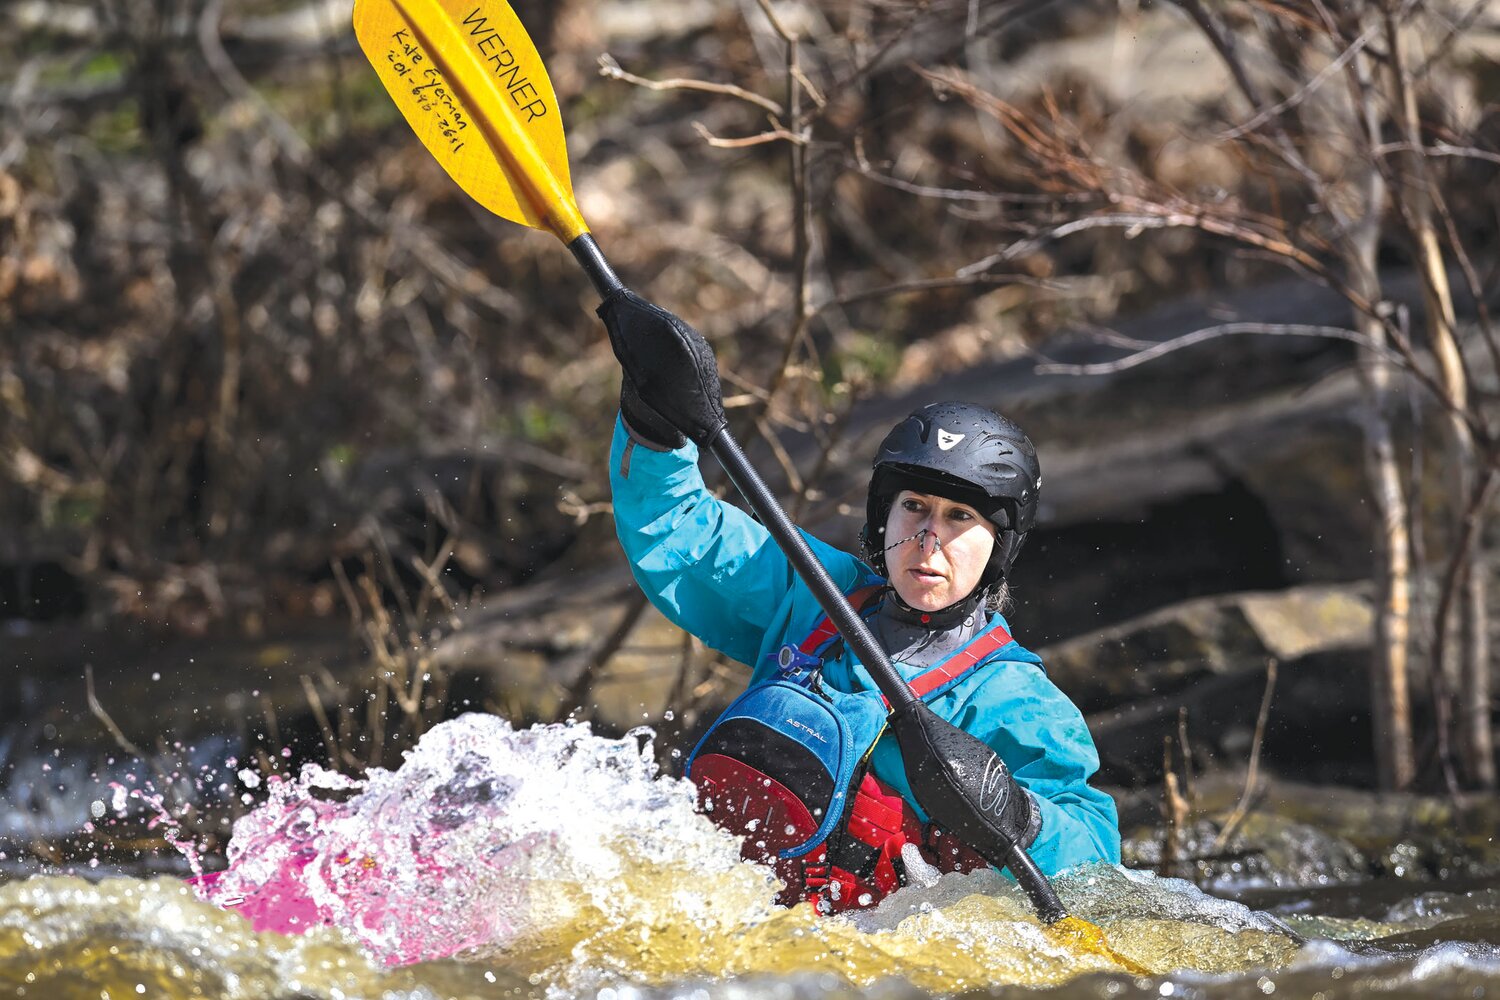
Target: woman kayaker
{"points": [[952, 495]]}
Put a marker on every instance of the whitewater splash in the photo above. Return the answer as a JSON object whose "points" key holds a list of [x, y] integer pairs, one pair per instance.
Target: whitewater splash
{"points": [[570, 859], [485, 840]]}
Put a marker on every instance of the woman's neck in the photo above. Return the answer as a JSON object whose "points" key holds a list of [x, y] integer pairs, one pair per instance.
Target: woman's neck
{"points": [[922, 638]]}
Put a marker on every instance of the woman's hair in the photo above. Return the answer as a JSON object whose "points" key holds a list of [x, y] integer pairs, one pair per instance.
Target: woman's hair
{"points": [[998, 598]]}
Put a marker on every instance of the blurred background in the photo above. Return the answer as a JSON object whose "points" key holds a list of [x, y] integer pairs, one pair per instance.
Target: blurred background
{"points": [[301, 451]]}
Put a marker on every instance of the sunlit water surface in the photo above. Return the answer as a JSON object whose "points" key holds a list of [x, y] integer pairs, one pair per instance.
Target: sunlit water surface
{"points": [[553, 863]]}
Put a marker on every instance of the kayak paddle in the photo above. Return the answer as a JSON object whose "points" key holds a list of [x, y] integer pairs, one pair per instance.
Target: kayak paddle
{"points": [[471, 84]]}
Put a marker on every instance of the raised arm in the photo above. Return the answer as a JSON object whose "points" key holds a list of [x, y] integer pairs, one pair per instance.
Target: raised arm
{"points": [[707, 565]]}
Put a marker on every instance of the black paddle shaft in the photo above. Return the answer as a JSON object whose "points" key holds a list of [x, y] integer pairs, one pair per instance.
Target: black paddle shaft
{"points": [[591, 259], [830, 598], [828, 595]]}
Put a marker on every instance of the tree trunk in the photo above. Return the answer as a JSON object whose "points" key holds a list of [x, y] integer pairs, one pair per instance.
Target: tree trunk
{"points": [[1468, 672], [1479, 737], [1391, 697]]}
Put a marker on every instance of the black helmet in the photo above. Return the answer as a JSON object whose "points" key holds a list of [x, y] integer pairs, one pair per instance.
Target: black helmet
{"points": [[965, 453]]}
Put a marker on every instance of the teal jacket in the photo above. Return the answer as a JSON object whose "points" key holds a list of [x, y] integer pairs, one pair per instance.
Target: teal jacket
{"points": [[714, 571]]}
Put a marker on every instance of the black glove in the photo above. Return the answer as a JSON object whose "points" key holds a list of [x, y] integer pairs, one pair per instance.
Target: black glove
{"points": [[646, 424], [963, 785], [670, 373]]}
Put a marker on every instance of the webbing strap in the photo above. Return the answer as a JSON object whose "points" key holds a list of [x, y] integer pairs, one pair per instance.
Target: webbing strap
{"points": [[960, 662], [826, 629], [924, 684]]}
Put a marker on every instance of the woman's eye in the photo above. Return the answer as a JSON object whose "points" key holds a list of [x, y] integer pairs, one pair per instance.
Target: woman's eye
{"points": [[913, 506], [960, 515]]}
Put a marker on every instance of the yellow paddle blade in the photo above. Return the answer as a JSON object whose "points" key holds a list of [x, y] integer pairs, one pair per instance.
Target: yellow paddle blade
{"points": [[471, 85], [1080, 935]]}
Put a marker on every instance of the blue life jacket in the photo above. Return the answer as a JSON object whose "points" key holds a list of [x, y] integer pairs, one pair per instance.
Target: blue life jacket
{"points": [[786, 767]]}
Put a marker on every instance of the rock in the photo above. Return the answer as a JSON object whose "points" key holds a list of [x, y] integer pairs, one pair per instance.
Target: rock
{"points": [[1159, 653], [1231, 466], [1308, 834], [524, 651], [1318, 728], [1208, 657], [1305, 620], [1264, 849]]}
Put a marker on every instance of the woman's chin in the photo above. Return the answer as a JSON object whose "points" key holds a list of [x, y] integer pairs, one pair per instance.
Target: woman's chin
{"points": [[926, 599]]}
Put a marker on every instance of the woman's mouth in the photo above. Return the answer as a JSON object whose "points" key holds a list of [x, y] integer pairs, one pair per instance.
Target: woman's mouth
{"points": [[927, 575]]}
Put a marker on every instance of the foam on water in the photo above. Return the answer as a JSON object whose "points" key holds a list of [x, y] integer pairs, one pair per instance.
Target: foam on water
{"points": [[63, 937], [487, 839]]}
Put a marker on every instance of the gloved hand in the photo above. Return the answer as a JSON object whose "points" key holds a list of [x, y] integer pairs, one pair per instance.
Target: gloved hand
{"points": [[963, 785], [644, 423], [671, 377]]}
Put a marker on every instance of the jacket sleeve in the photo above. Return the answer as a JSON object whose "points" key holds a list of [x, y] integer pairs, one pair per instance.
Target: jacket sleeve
{"points": [[1041, 736], [706, 565]]}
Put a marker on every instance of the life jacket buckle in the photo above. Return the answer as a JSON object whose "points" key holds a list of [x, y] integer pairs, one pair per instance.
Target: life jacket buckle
{"points": [[793, 662]]}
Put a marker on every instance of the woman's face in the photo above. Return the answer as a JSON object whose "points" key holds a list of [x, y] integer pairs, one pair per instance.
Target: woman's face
{"points": [[943, 565]]}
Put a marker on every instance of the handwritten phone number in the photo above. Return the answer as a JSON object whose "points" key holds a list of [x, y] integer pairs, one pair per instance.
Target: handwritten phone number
{"points": [[428, 87]]}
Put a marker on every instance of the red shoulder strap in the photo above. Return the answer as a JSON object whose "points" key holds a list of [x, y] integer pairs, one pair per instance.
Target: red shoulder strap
{"points": [[961, 662], [827, 629]]}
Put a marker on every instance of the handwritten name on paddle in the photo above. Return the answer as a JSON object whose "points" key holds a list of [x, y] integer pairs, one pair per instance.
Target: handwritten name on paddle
{"points": [[428, 87]]}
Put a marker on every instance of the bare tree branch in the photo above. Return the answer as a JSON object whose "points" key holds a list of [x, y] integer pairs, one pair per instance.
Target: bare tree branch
{"points": [[611, 69], [1252, 771], [1307, 89], [1207, 334], [425, 251], [777, 134], [1438, 149], [963, 194]]}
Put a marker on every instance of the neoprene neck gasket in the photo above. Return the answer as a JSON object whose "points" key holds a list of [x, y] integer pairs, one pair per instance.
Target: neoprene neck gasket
{"points": [[939, 620]]}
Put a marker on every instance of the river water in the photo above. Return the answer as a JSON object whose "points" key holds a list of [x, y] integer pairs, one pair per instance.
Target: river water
{"points": [[552, 863]]}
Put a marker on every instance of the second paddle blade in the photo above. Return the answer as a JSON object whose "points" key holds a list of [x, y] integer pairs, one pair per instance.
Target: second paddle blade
{"points": [[474, 89]]}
